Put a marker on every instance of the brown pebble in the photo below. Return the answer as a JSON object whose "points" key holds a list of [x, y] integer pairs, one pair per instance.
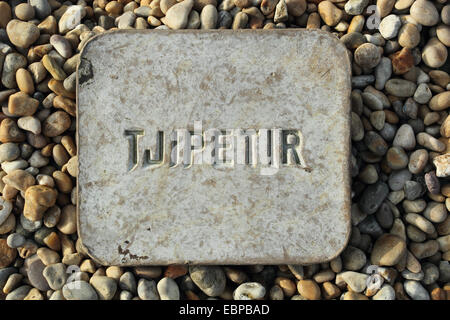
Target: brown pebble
{"points": [[37, 199], [21, 104], [56, 124], [10, 132], [68, 221], [19, 179], [66, 104], [7, 254], [175, 271], [309, 289], [402, 61], [24, 81]]}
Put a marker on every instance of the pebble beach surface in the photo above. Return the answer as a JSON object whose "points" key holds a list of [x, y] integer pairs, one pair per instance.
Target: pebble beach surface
{"points": [[400, 240]]}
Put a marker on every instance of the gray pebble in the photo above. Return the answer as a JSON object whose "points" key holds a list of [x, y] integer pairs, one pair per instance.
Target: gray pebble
{"points": [[42, 8], [405, 137], [9, 151], [372, 197], [385, 293], [415, 290], [146, 290], [168, 289], [35, 269], [210, 279], [128, 282], [29, 225], [19, 293], [56, 275], [406, 274], [431, 273], [104, 286], [413, 190], [79, 290], [249, 291], [125, 295], [370, 226], [353, 258], [15, 240], [444, 271]]}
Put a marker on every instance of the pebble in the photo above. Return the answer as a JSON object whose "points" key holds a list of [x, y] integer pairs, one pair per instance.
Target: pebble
{"points": [[105, 287], [56, 275], [367, 55], [249, 291], [15, 240], [37, 200], [440, 101], [168, 288], [22, 34], [128, 282], [383, 72], [208, 17], [329, 13], [24, 12], [71, 18], [5, 14], [79, 290], [61, 45], [396, 158], [434, 54], [210, 279], [415, 290], [19, 294], [296, 7], [386, 292], [9, 152], [353, 259], [56, 124], [357, 282], [388, 250], [42, 8], [177, 15], [355, 7], [424, 12], [7, 254], [147, 290], [400, 88], [35, 268], [12, 63], [389, 26], [397, 179], [372, 197]]}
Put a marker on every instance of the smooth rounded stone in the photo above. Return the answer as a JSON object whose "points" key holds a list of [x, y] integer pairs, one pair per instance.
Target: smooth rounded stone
{"points": [[353, 40], [53, 68], [410, 108], [210, 279], [444, 271], [405, 137], [5, 14], [389, 26], [18, 294], [424, 12], [384, 216], [375, 143], [147, 290], [10, 166], [37, 160], [24, 12], [357, 128], [128, 282], [296, 7], [177, 15], [372, 101], [423, 94], [37, 200], [30, 225], [388, 250], [369, 174], [355, 7], [430, 142], [208, 17], [400, 88], [309, 289], [126, 20], [420, 222], [413, 190], [104, 286], [415, 290], [440, 101], [431, 273], [386, 292], [19, 179], [35, 268], [383, 72], [22, 34], [70, 82], [5, 211], [12, 63], [397, 179], [443, 34], [42, 8], [29, 123], [281, 12], [79, 290], [435, 212], [61, 45], [249, 291], [166, 4], [68, 221], [71, 18], [56, 124], [417, 161], [353, 259], [48, 256], [329, 13], [15, 240], [168, 288], [377, 119], [367, 55], [21, 104], [409, 36], [388, 132], [56, 275], [408, 275], [434, 54], [370, 227], [9, 152], [357, 282], [444, 243], [396, 158], [240, 21], [372, 197], [424, 249], [7, 254], [125, 295]]}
